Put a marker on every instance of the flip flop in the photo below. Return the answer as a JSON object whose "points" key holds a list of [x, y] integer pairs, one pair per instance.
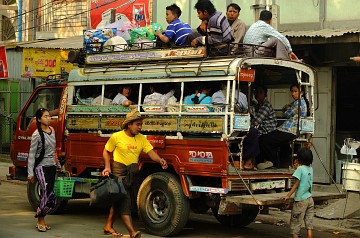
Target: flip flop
{"points": [[46, 226], [136, 235], [112, 233], [250, 169], [41, 228]]}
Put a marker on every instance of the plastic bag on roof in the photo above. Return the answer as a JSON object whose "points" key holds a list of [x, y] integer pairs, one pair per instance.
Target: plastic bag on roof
{"points": [[146, 32]]}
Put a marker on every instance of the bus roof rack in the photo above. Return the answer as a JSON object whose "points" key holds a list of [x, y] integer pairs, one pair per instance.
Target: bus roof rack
{"points": [[56, 79]]}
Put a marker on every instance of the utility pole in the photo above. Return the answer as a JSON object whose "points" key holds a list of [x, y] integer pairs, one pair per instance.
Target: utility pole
{"points": [[33, 17]]}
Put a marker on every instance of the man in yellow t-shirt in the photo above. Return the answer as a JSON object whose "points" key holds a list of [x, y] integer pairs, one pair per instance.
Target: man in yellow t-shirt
{"points": [[126, 146]]}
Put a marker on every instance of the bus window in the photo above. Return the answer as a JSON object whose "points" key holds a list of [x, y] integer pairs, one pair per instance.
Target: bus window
{"points": [[164, 96], [84, 95], [48, 98]]}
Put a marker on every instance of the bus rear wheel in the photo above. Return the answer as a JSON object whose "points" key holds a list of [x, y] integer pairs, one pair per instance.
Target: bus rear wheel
{"points": [[33, 194], [162, 205]]}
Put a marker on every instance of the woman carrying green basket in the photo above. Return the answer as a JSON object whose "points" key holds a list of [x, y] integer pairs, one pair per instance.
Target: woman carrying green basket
{"points": [[42, 162]]}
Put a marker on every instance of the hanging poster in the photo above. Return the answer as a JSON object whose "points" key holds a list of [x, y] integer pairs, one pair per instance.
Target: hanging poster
{"points": [[4, 73], [42, 62], [131, 12]]}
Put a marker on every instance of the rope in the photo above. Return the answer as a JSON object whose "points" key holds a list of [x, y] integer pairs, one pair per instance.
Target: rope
{"points": [[242, 179], [340, 218], [322, 163]]}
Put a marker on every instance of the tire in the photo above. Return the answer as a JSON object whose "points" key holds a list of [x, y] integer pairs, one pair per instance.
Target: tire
{"points": [[33, 194], [248, 215], [162, 205]]}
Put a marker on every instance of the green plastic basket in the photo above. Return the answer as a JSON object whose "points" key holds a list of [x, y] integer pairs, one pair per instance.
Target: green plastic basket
{"points": [[64, 187]]}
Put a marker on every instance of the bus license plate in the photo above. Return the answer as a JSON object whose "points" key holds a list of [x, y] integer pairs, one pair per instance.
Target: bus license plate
{"points": [[268, 185]]}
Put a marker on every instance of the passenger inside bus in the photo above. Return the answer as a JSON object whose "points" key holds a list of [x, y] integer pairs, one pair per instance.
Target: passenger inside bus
{"points": [[107, 99], [121, 98], [270, 143], [241, 102], [263, 117], [202, 96], [85, 95], [156, 97]]}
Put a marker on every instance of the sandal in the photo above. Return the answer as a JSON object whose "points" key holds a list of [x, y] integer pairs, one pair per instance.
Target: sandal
{"points": [[250, 169], [46, 226], [112, 233], [41, 228], [136, 235]]}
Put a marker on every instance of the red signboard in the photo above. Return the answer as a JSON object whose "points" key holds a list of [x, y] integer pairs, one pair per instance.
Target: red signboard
{"points": [[137, 12], [247, 75], [4, 73]]}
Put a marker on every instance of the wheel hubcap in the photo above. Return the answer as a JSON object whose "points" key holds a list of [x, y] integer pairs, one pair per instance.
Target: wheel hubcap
{"points": [[157, 206]]}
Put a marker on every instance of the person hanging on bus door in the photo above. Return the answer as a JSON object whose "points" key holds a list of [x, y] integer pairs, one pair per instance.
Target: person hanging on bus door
{"points": [[270, 143]]}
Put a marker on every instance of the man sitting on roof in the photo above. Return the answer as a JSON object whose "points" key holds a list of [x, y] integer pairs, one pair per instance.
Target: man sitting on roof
{"points": [[262, 33], [177, 31], [219, 32]]}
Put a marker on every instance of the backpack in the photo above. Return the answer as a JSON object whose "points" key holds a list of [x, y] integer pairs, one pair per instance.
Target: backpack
{"points": [[196, 99]]}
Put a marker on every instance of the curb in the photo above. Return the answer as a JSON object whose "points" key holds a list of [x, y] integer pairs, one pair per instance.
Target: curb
{"points": [[284, 221], [5, 158]]}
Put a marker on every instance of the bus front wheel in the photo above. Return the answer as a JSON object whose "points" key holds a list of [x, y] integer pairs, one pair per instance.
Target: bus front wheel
{"points": [[33, 194], [162, 205]]}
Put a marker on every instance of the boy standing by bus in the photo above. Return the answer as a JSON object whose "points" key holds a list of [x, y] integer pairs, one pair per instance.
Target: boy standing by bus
{"points": [[303, 208]]}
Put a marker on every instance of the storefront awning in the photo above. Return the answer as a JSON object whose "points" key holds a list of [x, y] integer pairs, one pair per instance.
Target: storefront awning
{"points": [[75, 42], [324, 36]]}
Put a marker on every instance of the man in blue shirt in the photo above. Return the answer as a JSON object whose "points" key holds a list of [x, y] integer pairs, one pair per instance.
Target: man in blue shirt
{"points": [[177, 31], [262, 33]]}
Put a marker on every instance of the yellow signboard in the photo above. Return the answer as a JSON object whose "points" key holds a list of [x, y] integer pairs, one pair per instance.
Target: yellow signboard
{"points": [[204, 125], [42, 62], [111, 123], [82, 123], [160, 124]]}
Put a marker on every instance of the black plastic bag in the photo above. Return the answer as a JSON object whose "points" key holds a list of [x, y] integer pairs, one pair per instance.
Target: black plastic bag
{"points": [[107, 191]]}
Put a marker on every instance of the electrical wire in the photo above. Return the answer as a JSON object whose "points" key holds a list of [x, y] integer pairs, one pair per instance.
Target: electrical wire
{"points": [[34, 9], [71, 16]]}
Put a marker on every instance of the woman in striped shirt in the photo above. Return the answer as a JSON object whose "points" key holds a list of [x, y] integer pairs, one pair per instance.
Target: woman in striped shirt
{"points": [[42, 163]]}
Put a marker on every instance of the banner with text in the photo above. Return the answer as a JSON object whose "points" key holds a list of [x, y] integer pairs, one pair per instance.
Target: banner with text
{"points": [[42, 62], [4, 73], [137, 12]]}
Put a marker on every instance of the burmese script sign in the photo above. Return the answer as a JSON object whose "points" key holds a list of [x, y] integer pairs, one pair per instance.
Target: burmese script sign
{"points": [[148, 55], [82, 123], [111, 123], [42, 62], [204, 125], [160, 124]]}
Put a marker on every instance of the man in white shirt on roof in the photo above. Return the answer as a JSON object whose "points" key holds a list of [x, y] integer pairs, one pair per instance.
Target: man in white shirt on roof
{"points": [[263, 34]]}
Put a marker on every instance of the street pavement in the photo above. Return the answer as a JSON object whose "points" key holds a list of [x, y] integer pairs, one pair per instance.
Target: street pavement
{"points": [[349, 227]]}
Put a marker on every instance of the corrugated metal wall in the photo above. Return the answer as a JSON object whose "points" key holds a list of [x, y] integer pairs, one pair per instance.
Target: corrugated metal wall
{"points": [[14, 93]]}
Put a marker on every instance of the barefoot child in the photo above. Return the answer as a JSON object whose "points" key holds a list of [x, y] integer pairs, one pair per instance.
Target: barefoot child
{"points": [[303, 208], [42, 164]]}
